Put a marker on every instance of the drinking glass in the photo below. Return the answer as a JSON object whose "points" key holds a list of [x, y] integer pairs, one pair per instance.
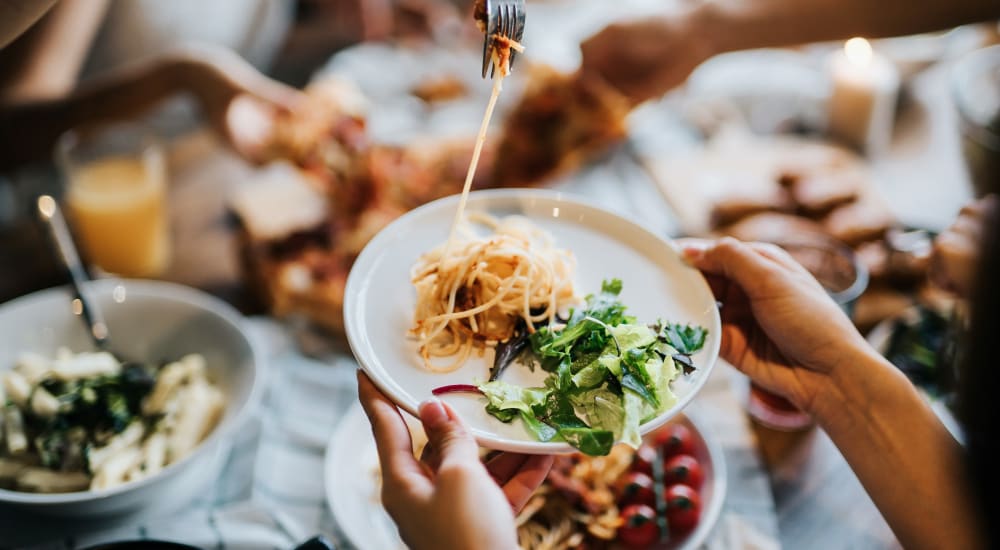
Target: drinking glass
{"points": [[116, 196]]}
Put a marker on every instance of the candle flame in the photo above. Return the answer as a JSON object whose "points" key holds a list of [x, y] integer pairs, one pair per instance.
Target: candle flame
{"points": [[858, 52]]}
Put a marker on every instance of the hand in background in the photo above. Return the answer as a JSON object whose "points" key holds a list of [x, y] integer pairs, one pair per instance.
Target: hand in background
{"points": [[448, 499], [955, 260], [237, 100], [644, 59], [779, 326]]}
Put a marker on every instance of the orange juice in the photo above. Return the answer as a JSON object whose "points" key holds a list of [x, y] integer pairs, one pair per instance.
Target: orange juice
{"points": [[118, 208]]}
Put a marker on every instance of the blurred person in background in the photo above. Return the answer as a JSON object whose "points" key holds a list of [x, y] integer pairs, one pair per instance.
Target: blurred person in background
{"points": [[83, 62], [87, 62], [646, 58], [173, 64]]}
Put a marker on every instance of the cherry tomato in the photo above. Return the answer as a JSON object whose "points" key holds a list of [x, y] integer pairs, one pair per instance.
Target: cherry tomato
{"points": [[639, 528], [675, 439], [683, 469], [643, 460], [683, 508], [635, 488]]}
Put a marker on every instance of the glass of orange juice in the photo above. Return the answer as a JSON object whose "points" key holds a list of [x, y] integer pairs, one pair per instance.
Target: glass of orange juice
{"points": [[116, 179]]}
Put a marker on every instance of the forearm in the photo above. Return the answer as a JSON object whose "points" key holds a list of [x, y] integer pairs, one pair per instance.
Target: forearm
{"points": [[17, 15], [29, 129], [46, 62], [744, 24], [909, 464]]}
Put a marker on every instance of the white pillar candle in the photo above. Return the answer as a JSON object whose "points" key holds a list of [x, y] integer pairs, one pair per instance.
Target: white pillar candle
{"points": [[863, 103]]}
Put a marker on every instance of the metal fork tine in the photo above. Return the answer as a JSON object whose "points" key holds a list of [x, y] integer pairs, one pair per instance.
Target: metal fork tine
{"points": [[486, 55], [500, 18], [508, 21], [491, 24], [519, 20], [501, 28], [517, 26], [505, 18]]}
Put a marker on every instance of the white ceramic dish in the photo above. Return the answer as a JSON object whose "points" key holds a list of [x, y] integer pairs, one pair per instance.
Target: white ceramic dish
{"points": [[352, 487], [378, 310], [146, 319]]}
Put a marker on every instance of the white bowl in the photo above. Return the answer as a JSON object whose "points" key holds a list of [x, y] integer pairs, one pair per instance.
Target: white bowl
{"points": [[379, 303], [150, 320]]}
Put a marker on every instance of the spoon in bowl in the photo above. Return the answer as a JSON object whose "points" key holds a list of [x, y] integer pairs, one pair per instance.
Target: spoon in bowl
{"points": [[83, 304]]}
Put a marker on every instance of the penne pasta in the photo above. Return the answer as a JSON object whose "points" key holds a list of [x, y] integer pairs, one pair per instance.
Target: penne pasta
{"points": [[13, 423], [85, 421], [44, 404], [9, 470], [17, 388], [33, 367], [172, 377], [195, 364], [113, 471], [128, 438], [196, 419], [85, 365], [154, 453], [43, 480]]}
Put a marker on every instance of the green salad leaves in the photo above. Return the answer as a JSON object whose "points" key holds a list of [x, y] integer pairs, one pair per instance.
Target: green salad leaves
{"points": [[607, 374]]}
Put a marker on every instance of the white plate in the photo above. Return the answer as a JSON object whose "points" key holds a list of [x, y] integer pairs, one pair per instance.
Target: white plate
{"points": [[352, 487], [378, 310]]}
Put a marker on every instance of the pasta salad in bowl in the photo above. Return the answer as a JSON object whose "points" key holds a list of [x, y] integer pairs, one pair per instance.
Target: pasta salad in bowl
{"points": [[88, 421], [88, 433]]}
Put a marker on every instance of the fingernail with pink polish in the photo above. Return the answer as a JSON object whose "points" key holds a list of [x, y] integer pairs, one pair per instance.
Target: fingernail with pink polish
{"points": [[692, 253]]}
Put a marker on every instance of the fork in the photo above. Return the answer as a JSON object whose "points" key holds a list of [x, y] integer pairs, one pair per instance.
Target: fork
{"points": [[505, 18], [84, 304]]}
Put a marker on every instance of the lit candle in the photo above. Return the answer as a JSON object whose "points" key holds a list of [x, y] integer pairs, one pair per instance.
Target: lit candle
{"points": [[863, 102]]}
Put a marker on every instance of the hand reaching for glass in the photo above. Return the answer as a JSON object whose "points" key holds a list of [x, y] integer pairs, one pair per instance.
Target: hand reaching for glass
{"points": [[448, 498]]}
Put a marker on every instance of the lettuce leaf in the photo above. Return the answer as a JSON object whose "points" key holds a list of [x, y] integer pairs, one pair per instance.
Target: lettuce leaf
{"points": [[591, 376], [635, 378], [588, 440], [633, 336], [607, 375], [612, 363], [687, 339], [661, 373], [542, 432], [633, 408], [504, 396], [604, 409]]}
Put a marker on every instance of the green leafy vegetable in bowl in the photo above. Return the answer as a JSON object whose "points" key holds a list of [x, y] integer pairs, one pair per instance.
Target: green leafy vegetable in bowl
{"points": [[608, 374]]}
